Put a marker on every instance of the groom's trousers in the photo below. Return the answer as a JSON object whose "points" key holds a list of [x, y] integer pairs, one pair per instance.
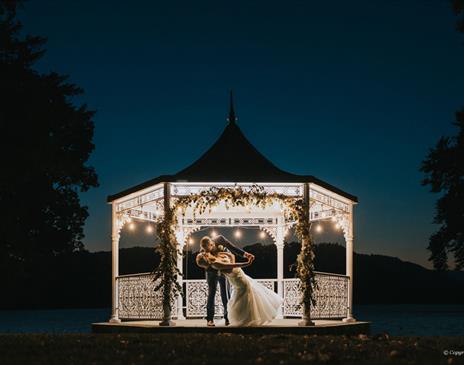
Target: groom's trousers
{"points": [[213, 278]]}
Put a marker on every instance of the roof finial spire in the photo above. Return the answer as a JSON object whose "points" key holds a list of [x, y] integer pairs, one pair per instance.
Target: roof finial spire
{"points": [[232, 118]]}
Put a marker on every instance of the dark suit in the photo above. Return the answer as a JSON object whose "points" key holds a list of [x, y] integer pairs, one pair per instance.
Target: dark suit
{"points": [[213, 278]]}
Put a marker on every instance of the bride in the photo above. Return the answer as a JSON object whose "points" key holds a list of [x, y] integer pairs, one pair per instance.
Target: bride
{"points": [[251, 304]]}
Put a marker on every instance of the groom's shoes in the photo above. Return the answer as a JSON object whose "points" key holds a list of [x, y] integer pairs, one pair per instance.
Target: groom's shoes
{"points": [[210, 324]]}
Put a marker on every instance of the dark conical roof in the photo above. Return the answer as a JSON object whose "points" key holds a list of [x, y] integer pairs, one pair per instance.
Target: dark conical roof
{"points": [[232, 158]]}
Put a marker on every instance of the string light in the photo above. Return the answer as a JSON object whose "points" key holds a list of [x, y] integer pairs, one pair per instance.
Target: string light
{"points": [[262, 235], [318, 228], [213, 234], [149, 229], [191, 241], [132, 226], [334, 219], [337, 226], [238, 233]]}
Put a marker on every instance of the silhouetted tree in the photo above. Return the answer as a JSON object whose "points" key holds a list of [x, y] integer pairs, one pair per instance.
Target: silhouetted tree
{"points": [[444, 170], [46, 142]]}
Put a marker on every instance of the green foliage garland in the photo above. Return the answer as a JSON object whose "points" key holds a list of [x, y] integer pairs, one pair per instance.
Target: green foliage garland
{"points": [[167, 270]]}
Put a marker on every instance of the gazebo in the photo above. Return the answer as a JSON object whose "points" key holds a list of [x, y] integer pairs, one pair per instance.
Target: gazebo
{"points": [[231, 162]]}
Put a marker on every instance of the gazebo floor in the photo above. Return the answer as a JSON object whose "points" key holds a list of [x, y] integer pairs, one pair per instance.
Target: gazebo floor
{"points": [[278, 326]]}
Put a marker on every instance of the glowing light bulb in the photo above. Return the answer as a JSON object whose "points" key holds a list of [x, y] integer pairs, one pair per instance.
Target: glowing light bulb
{"points": [[337, 226], [213, 234], [238, 233], [318, 228], [262, 235], [191, 241], [334, 219], [149, 229], [131, 226]]}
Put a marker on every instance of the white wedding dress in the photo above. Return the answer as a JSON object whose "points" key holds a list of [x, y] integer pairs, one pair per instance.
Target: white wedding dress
{"points": [[251, 304]]}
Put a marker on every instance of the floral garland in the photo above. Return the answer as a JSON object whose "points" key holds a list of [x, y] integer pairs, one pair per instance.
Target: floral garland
{"points": [[236, 196], [167, 270]]}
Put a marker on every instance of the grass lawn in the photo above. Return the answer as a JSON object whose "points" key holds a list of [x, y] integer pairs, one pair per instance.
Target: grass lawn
{"points": [[237, 349]]}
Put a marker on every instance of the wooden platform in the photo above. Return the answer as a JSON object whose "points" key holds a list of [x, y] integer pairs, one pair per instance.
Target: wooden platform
{"points": [[278, 326]]}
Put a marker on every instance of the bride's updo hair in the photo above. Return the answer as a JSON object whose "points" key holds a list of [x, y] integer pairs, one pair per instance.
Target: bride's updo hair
{"points": [[204, 259]]}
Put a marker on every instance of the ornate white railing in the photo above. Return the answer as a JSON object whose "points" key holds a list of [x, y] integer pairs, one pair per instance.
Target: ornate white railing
{"points": [[331, 297], [197, 293], [138, 300]]}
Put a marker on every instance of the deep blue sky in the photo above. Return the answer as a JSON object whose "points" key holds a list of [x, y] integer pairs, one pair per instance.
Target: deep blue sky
{"points": [[354, 93]]}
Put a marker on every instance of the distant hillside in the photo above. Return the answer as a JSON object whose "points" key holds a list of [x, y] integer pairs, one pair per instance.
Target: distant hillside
{"points": [[84, 279]]}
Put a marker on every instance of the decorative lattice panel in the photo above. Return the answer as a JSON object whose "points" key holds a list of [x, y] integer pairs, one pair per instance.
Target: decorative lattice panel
{"points": [[138, 299], [197, 294], [331, 297], [292, 298]]}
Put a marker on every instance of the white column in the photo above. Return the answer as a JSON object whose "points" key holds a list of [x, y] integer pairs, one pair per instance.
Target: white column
{"points": [[181, 241], [280, 262], [115, 234], [349, 267]]}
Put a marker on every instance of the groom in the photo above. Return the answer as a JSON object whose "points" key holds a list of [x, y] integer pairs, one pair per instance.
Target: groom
{"points": [[213, 277]]}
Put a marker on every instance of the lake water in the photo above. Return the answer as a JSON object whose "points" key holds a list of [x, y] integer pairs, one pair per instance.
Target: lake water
{"points": [[397, 320]]}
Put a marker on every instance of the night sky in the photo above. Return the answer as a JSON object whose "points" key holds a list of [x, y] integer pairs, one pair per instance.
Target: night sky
{"points": [[353, 92]]}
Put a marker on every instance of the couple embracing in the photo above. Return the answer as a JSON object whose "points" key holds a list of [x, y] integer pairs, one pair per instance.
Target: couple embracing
{"points": [[250, 304]]}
